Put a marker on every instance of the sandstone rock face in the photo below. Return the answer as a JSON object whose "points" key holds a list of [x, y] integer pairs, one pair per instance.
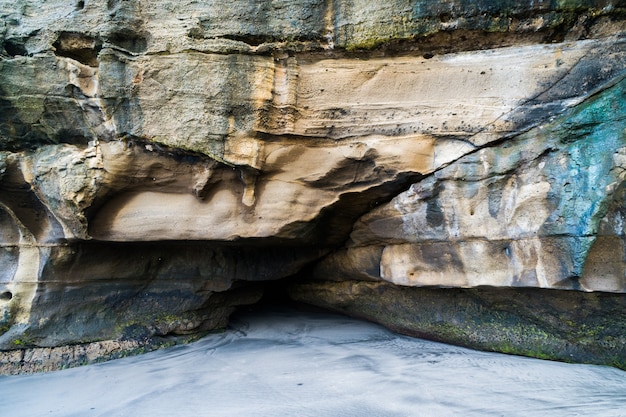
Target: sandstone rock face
{"points": [[159, 159], [538, 211]]}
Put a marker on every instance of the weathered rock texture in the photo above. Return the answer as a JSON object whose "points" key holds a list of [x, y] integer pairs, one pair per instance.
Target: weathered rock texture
{"points": [[158, 159]]}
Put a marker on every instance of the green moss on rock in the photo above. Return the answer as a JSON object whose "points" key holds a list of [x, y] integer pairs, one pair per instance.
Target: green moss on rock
{"points": [[568, 326], [360, 24]]}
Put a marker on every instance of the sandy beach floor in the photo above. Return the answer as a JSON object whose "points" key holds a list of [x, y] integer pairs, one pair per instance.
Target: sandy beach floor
{"points": [[285, 362]]}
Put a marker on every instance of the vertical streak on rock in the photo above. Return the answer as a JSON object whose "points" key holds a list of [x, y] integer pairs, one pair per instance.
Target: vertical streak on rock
{"points": [[281, 112], [329, 23], [286, 83], [248, 177]]}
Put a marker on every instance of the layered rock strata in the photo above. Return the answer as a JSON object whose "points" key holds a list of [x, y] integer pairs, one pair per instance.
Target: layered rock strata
{"points": [[160, 159]]}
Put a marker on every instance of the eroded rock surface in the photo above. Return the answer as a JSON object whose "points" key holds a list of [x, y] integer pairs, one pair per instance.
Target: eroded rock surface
{"points": [[533, 211], [159, 159]]}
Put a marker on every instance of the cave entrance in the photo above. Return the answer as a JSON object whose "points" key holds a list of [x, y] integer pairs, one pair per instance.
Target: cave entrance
{"points": [[275, 293], [276, 297]]}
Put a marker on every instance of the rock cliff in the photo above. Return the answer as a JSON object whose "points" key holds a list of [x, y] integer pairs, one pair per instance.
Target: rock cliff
{"points": [[454, 170]]}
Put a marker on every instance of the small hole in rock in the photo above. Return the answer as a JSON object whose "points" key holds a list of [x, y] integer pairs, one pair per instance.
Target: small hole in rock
{"points": [[445, 17], [14, 47], [129, 40], [6, 296], [80, 5], [81, 47]]}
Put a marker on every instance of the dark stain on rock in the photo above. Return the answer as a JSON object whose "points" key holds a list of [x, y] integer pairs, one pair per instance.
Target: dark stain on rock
{"points": [[129, 40], [441, 256], [494, 197], [434, 214], [15, 134]]}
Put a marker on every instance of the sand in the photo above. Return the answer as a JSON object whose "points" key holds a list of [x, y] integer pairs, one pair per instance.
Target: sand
{"points": [[284, 362]]}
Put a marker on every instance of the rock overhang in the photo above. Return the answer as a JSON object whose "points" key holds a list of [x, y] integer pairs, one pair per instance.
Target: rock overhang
{"points": [[266, 134]]}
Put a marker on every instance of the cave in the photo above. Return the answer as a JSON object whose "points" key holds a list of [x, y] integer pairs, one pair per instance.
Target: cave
{"points": [[452, 172]]}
